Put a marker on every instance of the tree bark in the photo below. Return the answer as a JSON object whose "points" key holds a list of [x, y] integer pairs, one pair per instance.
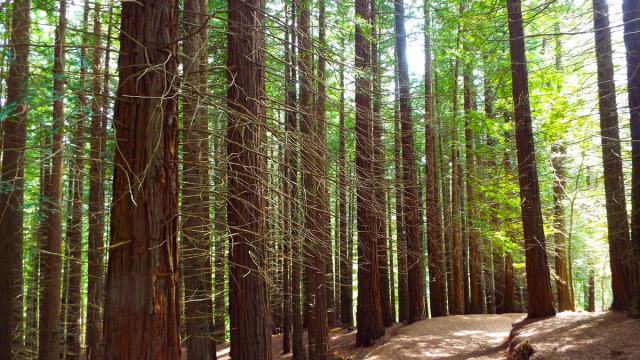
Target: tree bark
{"points": [[369, 313], [401, 243], [559, 188], [51, 270], [623, 275], [436, 258], [410, 198], [196, 258], [538, 281], [11, 201], [142, 313], [248, 292]]}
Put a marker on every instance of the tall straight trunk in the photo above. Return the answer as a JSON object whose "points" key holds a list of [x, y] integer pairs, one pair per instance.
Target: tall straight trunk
{"points": [[456, 245], [401, 244], [291, 160], [74, 228], [540, 298], [142, 313], [95, 252], [314, 180], [325, 313], [220, 227], [623, 275], [346, 266], [559, 188], [631, 17], [11, 201], [448, 225], [499, 279], [509, 285], [248, 292], [51, 271], [410, 198], [378, 174], [390, 252], [196, 258], [436, 258], [492, 216], [369, 313], [475, 274]]}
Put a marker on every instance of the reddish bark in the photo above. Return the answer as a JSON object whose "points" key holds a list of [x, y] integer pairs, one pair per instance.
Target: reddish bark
{"points": [[142, 313]]}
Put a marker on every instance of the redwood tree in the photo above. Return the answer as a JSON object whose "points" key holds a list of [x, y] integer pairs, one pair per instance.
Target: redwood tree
{"points": [[141, 316], [12, 200], [368, 314], [248, 293], [538, 279]]}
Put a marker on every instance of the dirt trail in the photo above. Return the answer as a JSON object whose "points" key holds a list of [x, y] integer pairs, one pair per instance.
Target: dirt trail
{"points": [[451, 337]]}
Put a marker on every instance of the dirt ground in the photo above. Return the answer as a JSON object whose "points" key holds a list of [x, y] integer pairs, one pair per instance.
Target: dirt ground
{"points": [[581, 336]]}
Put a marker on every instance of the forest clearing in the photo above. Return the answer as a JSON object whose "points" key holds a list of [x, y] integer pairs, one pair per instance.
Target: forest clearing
{"points": [[313, 179]]}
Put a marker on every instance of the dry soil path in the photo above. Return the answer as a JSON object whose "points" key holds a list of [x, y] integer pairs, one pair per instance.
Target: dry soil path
{"points": [[450, 337]]}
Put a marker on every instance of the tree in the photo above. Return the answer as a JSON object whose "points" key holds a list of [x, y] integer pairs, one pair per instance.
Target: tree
{"points": [[51, 266], [248, 293], [12, 177], [368, 313], [538, 280], [622, 272], [559, 188], [141, 316], [436, 260]]}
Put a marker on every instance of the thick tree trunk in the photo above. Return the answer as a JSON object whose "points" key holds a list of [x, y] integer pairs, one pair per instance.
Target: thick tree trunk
{"points": [[196, 258], [623, 276], [436, 258], [410, 198], [142, 314], [11, 201], [369, 314], [51, 269], [538, 280], [248, 293]]}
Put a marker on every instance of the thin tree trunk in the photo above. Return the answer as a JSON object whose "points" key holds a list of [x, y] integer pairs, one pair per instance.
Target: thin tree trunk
{"points": [[410, 198], [378, 174], [143, 255], [369, 313], [196, 258], [11, 201], [51, 270], [390, 252], [221, 232], [538, 281], [559, 188], [74, 230], [401, 244], [456, 245], [436, 258]]}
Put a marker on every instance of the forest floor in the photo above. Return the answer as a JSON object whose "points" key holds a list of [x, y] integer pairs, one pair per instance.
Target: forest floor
{"points": [[578, 335]]}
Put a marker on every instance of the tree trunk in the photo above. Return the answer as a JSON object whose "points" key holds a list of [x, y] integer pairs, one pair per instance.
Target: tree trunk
{"points": [[456, 246], [538, 281], [369, 313], [592, 289], [142, 313], [410, 198], [11, 201], [74, 228], [620, 246], [248, 292], [378, 174], [346, 266], [51, 270], [559, 188], [221, 232], [436, 258], [631, 17], [97, 147], [196, 258], [401, 244]]}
